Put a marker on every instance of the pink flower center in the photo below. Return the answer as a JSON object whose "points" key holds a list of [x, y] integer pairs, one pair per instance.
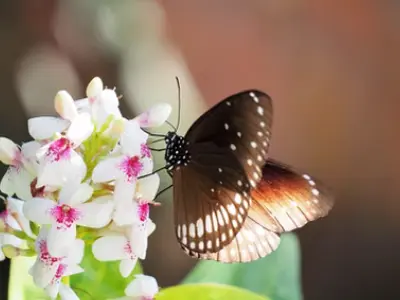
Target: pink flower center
{"points": [[143, 211], [131, 166], [65, 216], [4, 215], [128, 250], [145, 151], [59, 149], [45, 256]]}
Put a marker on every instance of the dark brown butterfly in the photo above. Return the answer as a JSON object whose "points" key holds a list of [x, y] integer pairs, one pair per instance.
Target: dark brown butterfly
{"points": [[231, 201]]}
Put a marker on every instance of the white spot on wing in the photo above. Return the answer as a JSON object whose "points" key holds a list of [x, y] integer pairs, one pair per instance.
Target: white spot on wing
{"points": [[200, 227], [209, 228], [192, 230]]}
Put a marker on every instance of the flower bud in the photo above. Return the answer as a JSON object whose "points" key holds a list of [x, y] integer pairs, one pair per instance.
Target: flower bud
{"points": [[65, 106], [94, 87], [8, 151]]}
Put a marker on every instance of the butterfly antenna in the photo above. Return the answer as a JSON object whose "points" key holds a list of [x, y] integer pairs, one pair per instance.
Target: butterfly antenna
{"points": [[162, 191], [179, 103]]}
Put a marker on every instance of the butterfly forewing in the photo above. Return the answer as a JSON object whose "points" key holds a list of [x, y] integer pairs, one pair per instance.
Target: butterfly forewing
{"points": [[286, 199], [240, 124]]}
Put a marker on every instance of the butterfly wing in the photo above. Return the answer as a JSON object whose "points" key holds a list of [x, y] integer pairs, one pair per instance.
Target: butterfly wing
{"points": [[252, 242], [286, 199], [209, 205], [228, 146], [241, 125]]}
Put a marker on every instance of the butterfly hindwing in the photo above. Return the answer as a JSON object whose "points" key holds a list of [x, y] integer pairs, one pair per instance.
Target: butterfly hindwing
{"points": [[286, 199]]}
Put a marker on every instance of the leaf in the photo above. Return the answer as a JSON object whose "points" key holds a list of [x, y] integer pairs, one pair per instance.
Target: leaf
{"points": [[101, 280], [204, 291], [21, 286], [276, 276]]}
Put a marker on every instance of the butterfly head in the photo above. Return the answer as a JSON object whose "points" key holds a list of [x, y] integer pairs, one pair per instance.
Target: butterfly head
{"points": [[176, 152]]}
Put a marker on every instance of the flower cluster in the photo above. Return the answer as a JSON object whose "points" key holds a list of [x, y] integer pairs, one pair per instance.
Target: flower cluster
{"points": [[84, 181]]}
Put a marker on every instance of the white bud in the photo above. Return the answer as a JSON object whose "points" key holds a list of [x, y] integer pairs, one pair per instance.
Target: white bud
{"points": [[8, 151], [94, 87], [65, 106]]}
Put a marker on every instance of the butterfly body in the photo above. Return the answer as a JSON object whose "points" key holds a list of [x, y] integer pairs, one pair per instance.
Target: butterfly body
{"points": [[231, 201]]}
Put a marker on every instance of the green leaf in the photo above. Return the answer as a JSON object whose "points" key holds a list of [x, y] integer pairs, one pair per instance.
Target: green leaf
{"points": [[276, 276], [209, 291], [101, 280], [21, 286]]}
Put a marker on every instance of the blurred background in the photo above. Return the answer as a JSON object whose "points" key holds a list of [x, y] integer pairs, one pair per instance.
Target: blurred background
{"points": [[331, 67]]}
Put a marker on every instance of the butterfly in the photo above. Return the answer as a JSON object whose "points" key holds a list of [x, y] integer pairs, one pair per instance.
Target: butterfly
{"points": [[231, 201]]}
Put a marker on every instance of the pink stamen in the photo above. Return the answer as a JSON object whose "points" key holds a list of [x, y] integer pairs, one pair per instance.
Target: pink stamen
{"points": [[59, 273], [143, 211], [45, 256], [65, 216], [36, 192], [131, 166], [128, 250], [145, 151], [59, 149], [4, 214]]}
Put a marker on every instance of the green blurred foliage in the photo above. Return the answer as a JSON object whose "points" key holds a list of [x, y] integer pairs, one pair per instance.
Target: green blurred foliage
{"points": [[101, 280], [276, 276], [210, 291]]}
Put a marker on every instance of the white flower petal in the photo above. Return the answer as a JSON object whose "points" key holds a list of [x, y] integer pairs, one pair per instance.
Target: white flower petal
{"points": [[110, 248], [67, 293], [75, 255], [138, 240], [43, 273], [52, 289], [82, 105], [73, 269], [9, 239], [8, 151], [94, 87], [60, 240], [22, 184], [155, 116], [95, 214], [107, 170], [38, 210], [142, 286], [65, 106], [57, 173], [7, 182], [76, 194], [42, 128], [151, 226], [148, 187], [148, 165], [126, 266], [132, 138], [2, 256], [124, 206], [81, 128], [29, 149]]}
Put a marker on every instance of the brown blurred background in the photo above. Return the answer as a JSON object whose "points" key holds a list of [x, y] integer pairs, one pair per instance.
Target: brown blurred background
{"points": [[332, 68]]}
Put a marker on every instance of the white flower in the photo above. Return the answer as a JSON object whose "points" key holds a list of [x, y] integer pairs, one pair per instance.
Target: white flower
{"points": [[125, 169], [100, 103], [155, 116], [69, 211], [22, 168], [143, 287], [48, 270], [58, 160], [125, 244]]}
